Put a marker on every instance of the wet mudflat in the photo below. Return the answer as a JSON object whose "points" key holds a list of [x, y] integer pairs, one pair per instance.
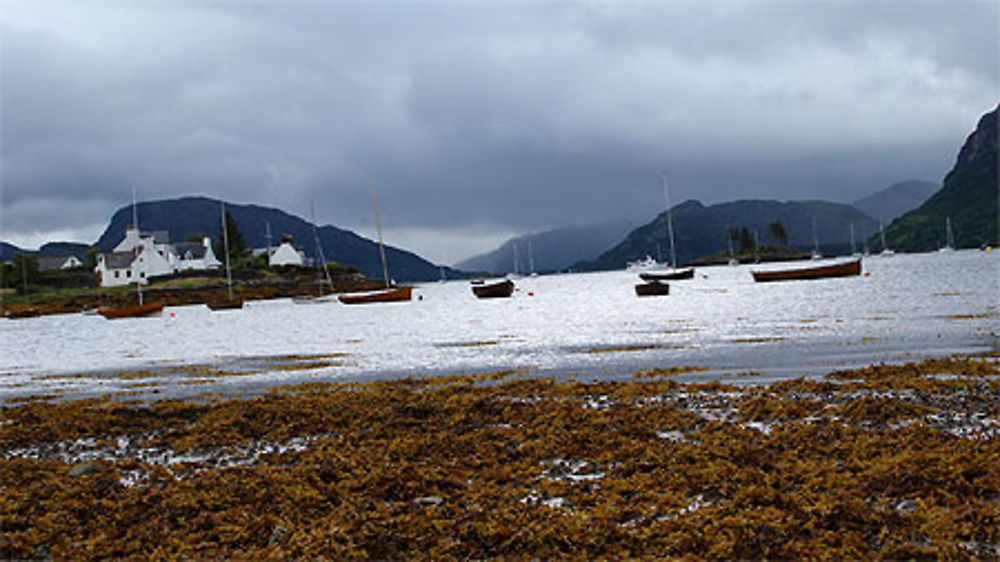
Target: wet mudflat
{"points": [[888, 461]]}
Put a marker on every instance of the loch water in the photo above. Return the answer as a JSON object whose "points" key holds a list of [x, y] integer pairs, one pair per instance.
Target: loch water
{"points": [[585, 325]]}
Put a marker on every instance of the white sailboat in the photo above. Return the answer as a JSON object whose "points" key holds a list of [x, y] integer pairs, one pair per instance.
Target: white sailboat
{"points": [[320, 298], [670, 273], [231, 302], [949, 245], [886, 252], [815, 253]]}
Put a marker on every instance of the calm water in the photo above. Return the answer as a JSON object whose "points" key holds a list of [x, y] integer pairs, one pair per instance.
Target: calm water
{"points": [[905, 307]]}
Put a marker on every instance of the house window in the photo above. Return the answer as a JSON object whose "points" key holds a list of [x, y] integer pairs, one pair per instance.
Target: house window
{"points": [[142, 274], [128, 273], [116, 274]]}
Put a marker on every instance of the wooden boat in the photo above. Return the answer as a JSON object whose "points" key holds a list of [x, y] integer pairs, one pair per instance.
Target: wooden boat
{"points": [[137, 311], [390, 294], [23, 313], [652, 289], [498, 289], [842, 269], [668, 274], [225, 304], [230, 302]]}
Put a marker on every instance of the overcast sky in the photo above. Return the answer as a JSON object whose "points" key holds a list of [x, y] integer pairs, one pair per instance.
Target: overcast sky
{"points": [[479, 120]]}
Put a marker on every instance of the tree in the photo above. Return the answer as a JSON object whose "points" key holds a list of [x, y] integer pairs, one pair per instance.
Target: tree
{"points": [[237, 247], [90, 257], [777, 231], [25, 270], [747, 241]]}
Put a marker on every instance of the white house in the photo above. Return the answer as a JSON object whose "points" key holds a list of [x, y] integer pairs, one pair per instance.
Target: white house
{"points": [[196, 255], [286, 254], [141, 256]]}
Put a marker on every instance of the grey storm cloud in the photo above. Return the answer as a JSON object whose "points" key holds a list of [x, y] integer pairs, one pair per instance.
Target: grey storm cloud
{"points": [[477, 117]]}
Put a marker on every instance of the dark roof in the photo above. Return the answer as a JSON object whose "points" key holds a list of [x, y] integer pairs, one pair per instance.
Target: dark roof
{"points": [[118, 260], [197, 250], [51, 263]]}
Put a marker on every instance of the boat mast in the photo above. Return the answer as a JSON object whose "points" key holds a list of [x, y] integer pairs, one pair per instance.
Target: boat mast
{"points": [[319, 247], [670, 223], [531, 258], [135, 251], [853, 250], [225, 245], [949, 237], [378, 230], [815, 238]]}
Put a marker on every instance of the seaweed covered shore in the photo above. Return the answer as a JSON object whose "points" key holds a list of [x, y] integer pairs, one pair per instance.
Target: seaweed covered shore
{"points": [[889, 461]]}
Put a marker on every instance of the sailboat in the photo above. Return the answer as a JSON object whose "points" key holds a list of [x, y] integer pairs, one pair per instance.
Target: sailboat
{"points": [[949, 245], [886, 252], [389, 293], [142, 309], [815, 253], [309, 299], [231, 302], [671, 273], [732, 258]]}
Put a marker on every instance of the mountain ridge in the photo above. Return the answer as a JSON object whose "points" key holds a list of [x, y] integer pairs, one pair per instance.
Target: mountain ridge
{"points": [[199, 215], [701, 230], [553, 250], [897, 199], [969, 196]]}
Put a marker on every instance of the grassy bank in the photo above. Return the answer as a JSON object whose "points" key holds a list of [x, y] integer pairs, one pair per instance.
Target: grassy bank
{"points": [[888, 461], [191, 288]]}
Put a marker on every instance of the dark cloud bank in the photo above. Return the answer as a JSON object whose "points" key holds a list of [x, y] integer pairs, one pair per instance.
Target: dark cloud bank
{"points": [[474, 121]]}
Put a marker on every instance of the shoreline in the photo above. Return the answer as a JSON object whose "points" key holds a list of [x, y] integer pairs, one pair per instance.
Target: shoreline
{"points": [[891, 461]]}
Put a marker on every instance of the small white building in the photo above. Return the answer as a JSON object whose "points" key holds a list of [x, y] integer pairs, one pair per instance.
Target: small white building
{"points": [[195, 255], [142, 256], [286, 254]]}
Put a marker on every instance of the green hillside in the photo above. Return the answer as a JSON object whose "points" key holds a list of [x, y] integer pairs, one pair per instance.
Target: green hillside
{"points": [[969, 196]]}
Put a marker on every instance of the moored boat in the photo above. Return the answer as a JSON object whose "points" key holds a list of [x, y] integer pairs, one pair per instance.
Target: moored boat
{"points": [[669, 274], [225, 304], [652, 289], [26, 312], [230, 302], [390, 294], [841, 269], [137, 311], [499, 289]]}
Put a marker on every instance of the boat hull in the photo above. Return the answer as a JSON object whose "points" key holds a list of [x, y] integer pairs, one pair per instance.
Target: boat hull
{"points": [[652, 289], [225, 304], [498, 290], [385, 295], [138, 311], [668, 275], [845, 269]]}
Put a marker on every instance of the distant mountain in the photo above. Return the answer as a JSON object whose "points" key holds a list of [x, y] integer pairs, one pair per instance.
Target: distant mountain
{"points": [[7, 251], [896, 199], [62, 249], [189, 216], [552, 250], [701, 230], [969, 196]]}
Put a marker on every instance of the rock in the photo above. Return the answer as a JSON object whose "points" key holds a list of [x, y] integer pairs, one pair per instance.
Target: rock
{"points": [[85, 469], [429, 500]]}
